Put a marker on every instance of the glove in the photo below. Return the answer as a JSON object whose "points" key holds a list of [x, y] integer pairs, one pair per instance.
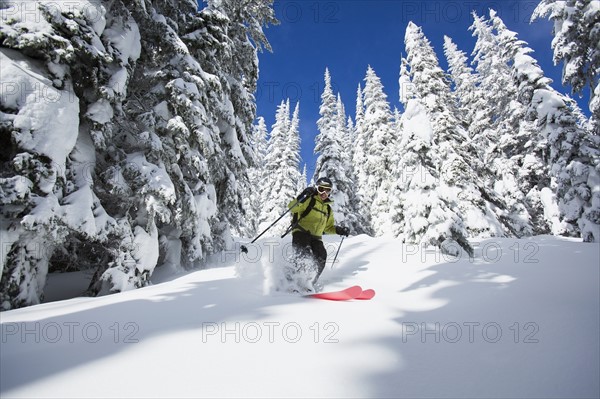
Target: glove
{"points": [[343, 231], [307, 193]]}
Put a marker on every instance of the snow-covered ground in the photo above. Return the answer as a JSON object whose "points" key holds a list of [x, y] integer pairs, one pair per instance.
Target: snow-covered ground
{"points": [[519, 319]]}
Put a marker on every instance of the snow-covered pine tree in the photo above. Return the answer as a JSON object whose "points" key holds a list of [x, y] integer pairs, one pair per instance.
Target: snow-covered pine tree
{"points": [[51, 215], [374, 177], [359, 117], [147, 138], [256, 176], [431, 84], [174, 130], [332, 144], [343, 195], [396, 206], [499, 128], [236, 65], [463, 78], [271, 186], [351, 129], [419, 214], [292, 153], [450, 161], [522, 175], [281, 167], [495, 92], [359, 157], [333, 160], [327, 142], [201, 106], [352, 218], [303, 180], [138, 179], [361, 226], [572, 154], [576, 36]]}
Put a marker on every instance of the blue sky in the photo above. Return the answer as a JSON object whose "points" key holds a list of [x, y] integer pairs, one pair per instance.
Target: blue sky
{"points": [[348, 35]]}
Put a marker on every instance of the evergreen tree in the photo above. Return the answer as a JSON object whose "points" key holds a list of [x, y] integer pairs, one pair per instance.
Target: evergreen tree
{"points": [[256, 177], [333, 160], [52, 217], [302, 182], [351, 129], [359, 156], [463, 78], [506, 133], [281, 166], [426, 213], [495, 91], [327, 143], [351, 212], [292, 152], [375, 132], [443, 160], [274, 166], [358, 121], [153, 172], [420, 213], [431, 84], [572, 154], [334, 146], [576, 36]]}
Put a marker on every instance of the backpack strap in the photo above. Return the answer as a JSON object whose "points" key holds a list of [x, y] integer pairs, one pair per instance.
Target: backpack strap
{"points": [[296, 219], [309, 208]]}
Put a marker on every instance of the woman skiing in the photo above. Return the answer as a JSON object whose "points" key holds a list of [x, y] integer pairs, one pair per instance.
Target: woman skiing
{"points": [[313, 217]]}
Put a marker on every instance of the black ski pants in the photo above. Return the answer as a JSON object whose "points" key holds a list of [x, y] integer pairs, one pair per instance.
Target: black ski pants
{"points": [[306, 245]]}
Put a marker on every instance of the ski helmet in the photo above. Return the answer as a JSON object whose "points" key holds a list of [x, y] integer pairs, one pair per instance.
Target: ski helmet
{"points": [[324, 182]]}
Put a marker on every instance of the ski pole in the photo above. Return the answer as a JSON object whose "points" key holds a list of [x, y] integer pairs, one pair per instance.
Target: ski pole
{"points": [[337, 252], [245, 249]]}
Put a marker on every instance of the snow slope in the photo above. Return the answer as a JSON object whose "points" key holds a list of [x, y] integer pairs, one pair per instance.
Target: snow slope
{"points": [[519, 319]]}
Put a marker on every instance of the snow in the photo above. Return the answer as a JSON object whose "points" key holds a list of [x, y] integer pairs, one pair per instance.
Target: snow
{"points": [[155, 177], [162, 110], [146, 248], [586, 225], [551, 210], [518, 319], [127, 42], [206, 203], [526, 65], [416, 122], [547, 103], [46, 115], [8, 236], [101, 111], [118, 82]]}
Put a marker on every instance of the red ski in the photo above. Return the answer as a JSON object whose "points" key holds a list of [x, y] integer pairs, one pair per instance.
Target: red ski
{"points": [[366, 294], [343, 295]]}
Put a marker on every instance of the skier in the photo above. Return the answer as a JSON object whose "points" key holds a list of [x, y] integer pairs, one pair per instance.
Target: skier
{"points": [[311, 219]]}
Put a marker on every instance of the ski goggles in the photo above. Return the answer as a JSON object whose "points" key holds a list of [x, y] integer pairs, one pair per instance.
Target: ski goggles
{"points": [[323, 189]]}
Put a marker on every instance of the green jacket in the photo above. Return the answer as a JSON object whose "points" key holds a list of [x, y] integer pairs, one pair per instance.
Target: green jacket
{"points": [[316, 222]]}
